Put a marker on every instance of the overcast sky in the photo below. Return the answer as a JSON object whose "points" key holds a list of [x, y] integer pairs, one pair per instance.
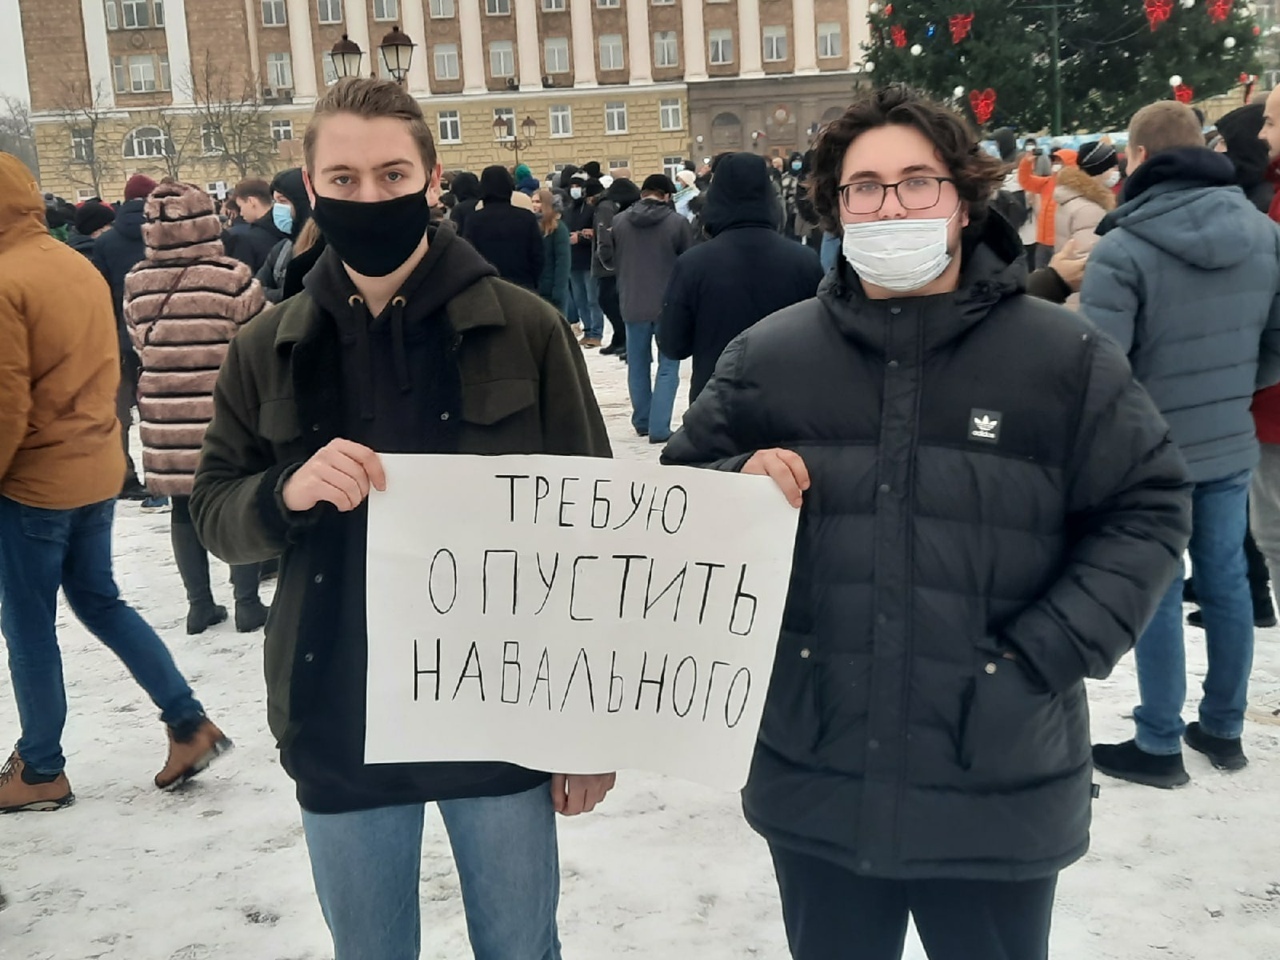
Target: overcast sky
{"points": [[13, 63]]}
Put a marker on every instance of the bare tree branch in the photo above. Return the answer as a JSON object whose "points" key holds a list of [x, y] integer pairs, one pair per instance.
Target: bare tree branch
{"points": [[84, 120], [17, 135], [181, 139], [231, 112]]}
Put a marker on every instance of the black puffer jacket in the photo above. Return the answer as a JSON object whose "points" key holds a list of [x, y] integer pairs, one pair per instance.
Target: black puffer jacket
{"points": [[988, 479], [119, 250]]}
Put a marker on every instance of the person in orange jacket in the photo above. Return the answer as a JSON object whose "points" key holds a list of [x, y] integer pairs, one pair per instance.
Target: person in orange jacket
{"points": [[1043, 187]]}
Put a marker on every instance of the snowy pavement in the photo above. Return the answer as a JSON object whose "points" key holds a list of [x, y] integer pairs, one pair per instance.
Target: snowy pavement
{"points": [[664, 870]]}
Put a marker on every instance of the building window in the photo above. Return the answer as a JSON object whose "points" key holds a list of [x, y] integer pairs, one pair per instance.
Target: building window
{"points": [[450, 126], [507, 129], [386, 10], [442, 9], [81, 145], [330, 69], [146, 142], [502, 59], [670, 115], [113, 16], [619, 163], [672, 166], [664, 3], [280, 71], [561, 121], [159, 21], [615, 117], [556, 53], [211, 141], [497, 8], [330, 10], [666, 49], [273, 14], [142, 75], [166, 82], [281, 130], [775, 44], [721, 46], [83, 194], [120, 72], [829, 44], [136, 14], [446, 57], [608, 4], [553, 6], [611, 52]]}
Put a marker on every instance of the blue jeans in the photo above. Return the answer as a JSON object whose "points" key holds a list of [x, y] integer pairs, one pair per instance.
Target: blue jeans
{"points": [[584, 292], [1219, 519], [41, 550], [366, 867], [652, 400]]}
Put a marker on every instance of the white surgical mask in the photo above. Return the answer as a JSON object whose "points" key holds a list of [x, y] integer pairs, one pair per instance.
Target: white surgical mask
{"points": [[1111, 178], [575, 192], [899, 255]]}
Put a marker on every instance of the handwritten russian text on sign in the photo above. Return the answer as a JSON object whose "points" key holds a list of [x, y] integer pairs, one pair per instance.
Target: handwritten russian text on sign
{"points": [[573, 615]]}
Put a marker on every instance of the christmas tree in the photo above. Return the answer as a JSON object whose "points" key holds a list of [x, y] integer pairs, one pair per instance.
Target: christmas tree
{"points": [[995, 58]]}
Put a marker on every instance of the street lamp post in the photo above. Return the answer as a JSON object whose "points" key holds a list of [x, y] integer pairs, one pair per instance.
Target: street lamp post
{"points": [[397, 54], [505, 129], [347, 56]]}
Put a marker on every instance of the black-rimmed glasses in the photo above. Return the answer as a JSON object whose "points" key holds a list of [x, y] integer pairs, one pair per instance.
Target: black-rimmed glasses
{"points": [[914, 193]]}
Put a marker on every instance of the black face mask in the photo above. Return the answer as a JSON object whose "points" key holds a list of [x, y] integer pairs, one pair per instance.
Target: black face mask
{"points": [[373, 239]]}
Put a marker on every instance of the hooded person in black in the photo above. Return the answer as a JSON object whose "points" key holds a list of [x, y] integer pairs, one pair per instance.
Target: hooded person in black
{"points": [[1250, 156], [403, 340], [744, 273], [287, 186], [619, 196], [506, 236], [466, 189]]}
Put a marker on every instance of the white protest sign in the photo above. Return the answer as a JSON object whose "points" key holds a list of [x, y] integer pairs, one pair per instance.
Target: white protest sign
{"points": [[573, 615]]}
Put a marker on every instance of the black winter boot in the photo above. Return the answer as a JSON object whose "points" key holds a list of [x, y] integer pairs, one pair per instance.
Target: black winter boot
{"points": [[1127, 761], [251, 613], [1222, 753], [193, 565]]}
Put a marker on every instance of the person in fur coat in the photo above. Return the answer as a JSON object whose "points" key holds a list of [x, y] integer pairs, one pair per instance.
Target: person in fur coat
{"points": [[183, 304], [1083, 196]]}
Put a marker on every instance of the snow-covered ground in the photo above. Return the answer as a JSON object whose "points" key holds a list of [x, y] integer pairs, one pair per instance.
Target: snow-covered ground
{"points": [[664, 870]]}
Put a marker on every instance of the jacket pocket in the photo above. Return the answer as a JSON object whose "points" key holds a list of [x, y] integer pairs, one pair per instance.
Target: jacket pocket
{"points": [[489, 403], [1010, 730], [792, 721]]}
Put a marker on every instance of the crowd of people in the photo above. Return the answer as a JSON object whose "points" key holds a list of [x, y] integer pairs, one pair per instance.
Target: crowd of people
{"points": [[1008, 394]]}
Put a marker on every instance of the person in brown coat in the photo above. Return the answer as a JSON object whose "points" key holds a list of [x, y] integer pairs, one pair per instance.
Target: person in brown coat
{"points": [[61, 469], [183, 304]]}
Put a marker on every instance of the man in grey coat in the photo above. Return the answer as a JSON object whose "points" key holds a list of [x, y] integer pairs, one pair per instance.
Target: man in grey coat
{"points": [[1186, 279], [642, 247]]}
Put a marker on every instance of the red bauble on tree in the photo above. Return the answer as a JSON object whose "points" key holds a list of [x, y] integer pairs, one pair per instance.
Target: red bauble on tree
{"points": [[1219, 10], [961, 24], [983, 104], [1183, 93], [899, 34], [1158, 11]]}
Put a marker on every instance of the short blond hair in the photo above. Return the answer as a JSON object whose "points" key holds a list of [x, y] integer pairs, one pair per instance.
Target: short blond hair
{"points": [[369, 98], [1166, 125]]}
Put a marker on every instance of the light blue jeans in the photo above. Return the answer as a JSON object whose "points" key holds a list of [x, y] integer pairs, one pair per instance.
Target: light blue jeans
{"points": [[652, 398], [584, 294], [367, 864], [1218, 521]]}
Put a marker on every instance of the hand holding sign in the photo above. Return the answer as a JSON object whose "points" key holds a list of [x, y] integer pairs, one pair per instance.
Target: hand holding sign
{"points": [[786, 468], [575, 794], [340, 473]]}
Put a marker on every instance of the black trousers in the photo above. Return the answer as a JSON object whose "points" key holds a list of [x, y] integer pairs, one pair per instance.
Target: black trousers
{"points": [[612, 307], [832, 913]]}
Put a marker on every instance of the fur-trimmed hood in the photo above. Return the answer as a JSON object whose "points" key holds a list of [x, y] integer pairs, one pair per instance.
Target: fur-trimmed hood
{"points": [[1074, 182]]}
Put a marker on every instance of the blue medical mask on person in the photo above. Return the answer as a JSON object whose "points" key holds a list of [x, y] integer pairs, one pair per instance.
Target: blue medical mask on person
{"points": [[796, 165], [282, 217]]}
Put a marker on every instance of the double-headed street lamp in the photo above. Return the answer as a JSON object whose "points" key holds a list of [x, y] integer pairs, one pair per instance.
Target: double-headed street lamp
{"points": [[396, 50], [504, 128]]}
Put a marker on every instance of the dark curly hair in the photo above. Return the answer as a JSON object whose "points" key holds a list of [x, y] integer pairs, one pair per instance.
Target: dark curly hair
{"points": [[977, 173]]}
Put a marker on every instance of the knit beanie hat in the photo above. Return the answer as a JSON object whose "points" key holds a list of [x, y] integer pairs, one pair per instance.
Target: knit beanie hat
{"points": [[523, 172], [687, 178], [181, 224], [139, 187], [92, 216], [593, 188], [592, 169], [1096, 158]]}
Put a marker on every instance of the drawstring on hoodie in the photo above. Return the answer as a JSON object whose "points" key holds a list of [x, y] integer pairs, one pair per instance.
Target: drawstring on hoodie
{"points": [[397, 343], [364, 357]]}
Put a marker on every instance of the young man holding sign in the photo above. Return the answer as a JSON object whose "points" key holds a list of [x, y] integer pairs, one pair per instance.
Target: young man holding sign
{"points": [[404, 341], [992, 508]]}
